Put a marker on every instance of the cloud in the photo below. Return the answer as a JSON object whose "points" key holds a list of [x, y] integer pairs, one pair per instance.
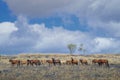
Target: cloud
{"points": [[57, 38], [98, 15], [110, 29], [102, 9], [6, 28], [101, 16], [105, 44], [36, 7], [24, 37]]}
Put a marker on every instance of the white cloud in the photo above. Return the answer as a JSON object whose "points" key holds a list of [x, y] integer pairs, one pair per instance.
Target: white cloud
{"points": [[102, 16], [57, 38], [25, 37], [6, 28], [104, 43]]}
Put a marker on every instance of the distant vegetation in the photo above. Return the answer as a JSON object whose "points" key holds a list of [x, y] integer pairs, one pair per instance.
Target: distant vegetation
{"points": [[72, 48]]}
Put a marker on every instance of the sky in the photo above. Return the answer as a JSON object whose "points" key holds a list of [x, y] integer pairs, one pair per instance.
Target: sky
{"points": [[48, 26]]}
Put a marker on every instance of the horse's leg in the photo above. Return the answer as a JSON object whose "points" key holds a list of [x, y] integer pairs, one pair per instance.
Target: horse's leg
{"points": [[36, 64], [107, 64], [59, 63], [31, 64], [86, 63], [54, 64], [76, 63], [99, 63], [49, 64], [27, 64], [39, 63], [72, 63], [82, 63], [17, 65], [12, 65]]}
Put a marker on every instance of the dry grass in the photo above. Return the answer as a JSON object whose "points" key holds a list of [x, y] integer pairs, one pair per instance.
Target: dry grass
{"points": [[63, 72]]}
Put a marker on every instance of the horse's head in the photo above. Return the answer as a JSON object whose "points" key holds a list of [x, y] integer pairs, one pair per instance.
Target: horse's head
{"points": [[53, 59], [80, 60]]}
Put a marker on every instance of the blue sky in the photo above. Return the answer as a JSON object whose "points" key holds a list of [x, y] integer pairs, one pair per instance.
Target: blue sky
{"points": [[43, 26]]}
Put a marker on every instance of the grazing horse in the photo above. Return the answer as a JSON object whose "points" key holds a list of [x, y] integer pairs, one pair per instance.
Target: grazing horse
{"points": [[43, 61], [63, 61], [23, 62], [49, 62], [68, 62], [83, 61], [74, 61], [33, 62], [94, 61], [13, 62], [56, 61], [101, 62]]}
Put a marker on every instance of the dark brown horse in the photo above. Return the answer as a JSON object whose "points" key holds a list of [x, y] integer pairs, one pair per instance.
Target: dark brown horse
{"points": [[56, 61], [33, 62], [74, 61], [53, 61], [83, 61], [14, 62], [101, 62]]}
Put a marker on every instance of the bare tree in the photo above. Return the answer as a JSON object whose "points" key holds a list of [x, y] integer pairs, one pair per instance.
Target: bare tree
{"points": [[82, 49], [72, 48]]}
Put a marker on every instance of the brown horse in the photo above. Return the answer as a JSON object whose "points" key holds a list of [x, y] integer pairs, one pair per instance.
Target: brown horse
{"points": [[56, 61], [101, 62], [49, 62], [14, 62], [94, 61], [23, 62], [74, 61], [33, 62], [83, 61]]}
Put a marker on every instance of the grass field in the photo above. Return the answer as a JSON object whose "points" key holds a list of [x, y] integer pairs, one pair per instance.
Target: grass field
{"points": [[63, 72]]}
